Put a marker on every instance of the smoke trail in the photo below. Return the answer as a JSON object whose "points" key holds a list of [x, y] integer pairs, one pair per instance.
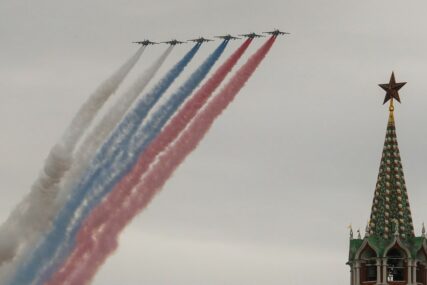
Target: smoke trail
{"points": [[30, 216], [44, 256], [164, 168], [93, 140], [99, 134], [137, 144], [95, 102], [111, 205]]}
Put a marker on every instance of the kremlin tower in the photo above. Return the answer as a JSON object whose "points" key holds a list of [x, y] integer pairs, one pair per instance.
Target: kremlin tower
{"points": [[389, 253]]}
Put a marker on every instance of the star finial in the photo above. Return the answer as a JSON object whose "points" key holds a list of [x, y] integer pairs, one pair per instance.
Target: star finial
{"points": [[392, 89]]}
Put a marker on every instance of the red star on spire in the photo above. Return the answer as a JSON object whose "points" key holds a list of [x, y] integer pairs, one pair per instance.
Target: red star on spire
{"points": [[392, 89]]}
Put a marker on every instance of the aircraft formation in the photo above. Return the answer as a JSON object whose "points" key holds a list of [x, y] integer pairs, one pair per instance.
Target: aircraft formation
{"points": [[227, 37]]}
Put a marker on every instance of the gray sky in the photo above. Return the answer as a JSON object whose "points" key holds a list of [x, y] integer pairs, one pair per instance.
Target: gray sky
{"points": [[267, 196]]}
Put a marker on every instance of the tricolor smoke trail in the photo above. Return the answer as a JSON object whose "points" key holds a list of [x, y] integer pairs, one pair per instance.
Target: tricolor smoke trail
{"points": [[165, 112], [87, 256], [59, 241], [164, 168], [99, 134], [136, 145], [31, 217], [28, 269]]}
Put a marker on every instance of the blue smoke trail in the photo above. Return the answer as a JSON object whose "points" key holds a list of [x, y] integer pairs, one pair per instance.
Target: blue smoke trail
{"points": [[61, 239]]}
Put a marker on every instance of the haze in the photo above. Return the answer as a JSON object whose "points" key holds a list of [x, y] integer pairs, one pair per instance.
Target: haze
{"points": [[268, 195]]}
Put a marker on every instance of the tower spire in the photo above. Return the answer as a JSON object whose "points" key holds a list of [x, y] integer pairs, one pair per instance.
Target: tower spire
{"points": [[391, 114], [390, 209]]}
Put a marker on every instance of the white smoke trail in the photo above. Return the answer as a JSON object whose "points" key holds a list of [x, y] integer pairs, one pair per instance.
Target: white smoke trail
{"points": [[85, 153], [89, 109], [31, 216]]}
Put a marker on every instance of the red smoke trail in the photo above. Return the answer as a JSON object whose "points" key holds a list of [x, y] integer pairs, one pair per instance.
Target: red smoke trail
{"points": [[93, 226]]}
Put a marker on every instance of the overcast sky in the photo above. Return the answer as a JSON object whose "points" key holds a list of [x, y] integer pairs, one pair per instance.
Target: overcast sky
{"points": [[267, 197]]}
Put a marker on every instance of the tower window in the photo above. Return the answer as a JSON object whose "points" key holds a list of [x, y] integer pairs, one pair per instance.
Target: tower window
{"points": [[371, 270], [421, 267], [395, 265], [421, 273], [369, 265]]}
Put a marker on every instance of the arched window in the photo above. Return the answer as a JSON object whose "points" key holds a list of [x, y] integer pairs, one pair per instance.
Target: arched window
{"points": [[368, 260], [421, 267], [396, 265]]}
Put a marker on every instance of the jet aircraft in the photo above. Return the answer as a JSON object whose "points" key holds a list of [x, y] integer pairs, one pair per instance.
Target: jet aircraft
{"points": [[145, 43], [252, 35], [277, 32], [227, 37], [200, 40], [173, 42]]}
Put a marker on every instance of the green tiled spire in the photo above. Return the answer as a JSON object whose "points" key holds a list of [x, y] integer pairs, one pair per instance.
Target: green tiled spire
{"points": [[390, 212]]}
